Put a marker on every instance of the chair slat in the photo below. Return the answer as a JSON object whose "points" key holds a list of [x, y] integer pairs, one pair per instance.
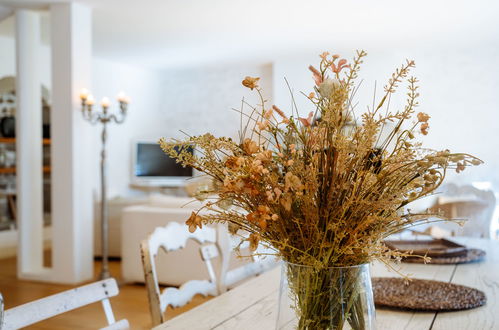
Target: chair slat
{"points": [[209, 251], [251, 269], [36, 311], [120, 325], [179, 297], [108, 311]]}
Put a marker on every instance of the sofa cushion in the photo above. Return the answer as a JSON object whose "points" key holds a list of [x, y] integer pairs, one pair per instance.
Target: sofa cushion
{"points": [[168, 201]]}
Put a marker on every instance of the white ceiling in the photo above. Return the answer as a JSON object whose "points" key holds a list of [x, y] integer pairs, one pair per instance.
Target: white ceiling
{"points": [[173, 33]]}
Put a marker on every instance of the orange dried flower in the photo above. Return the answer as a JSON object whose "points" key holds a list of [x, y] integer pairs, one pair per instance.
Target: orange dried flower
{"points": [[277, 192], [424, 128], [460, 167], [286, 202], [307, 122], [250, 146], [257, 168], [250, 82], [254, 239], [423, 117], [260, 216], [233, 185], [234, 162], [194, 221], [263, 124], [264, 156], [293, 182], [264, 209]]}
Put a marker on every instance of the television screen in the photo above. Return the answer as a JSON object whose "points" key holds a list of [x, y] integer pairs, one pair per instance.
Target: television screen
{"points": [[153, 162]]}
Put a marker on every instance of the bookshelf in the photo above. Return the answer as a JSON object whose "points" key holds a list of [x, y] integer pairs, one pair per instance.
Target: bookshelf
{"points": [[7, 183]]}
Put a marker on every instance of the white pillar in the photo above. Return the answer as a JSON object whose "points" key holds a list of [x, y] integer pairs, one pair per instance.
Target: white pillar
{"points": [[29, 144], [72, 177]]}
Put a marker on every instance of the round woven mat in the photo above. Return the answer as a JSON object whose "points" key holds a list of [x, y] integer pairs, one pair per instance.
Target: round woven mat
{"points": [[425, 295], [471, 255]]}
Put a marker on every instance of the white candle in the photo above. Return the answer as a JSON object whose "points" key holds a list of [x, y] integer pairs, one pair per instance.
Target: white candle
{"points": [[105, 102], [122, 97], [90, 100], [84, 93]]}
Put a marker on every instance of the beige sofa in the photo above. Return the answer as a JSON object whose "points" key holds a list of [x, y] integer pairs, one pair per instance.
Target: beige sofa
{"points": [[115, 208], [175, 268]]}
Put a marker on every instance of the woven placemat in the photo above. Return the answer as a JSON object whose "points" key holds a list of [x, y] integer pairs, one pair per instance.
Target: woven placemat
{"points": [[425, 295], [472, 255]]}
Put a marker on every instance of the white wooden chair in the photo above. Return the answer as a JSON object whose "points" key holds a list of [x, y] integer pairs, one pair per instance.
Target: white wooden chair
{"points": [[171, 238], [42, 309], [230, 277], [467, 202]]}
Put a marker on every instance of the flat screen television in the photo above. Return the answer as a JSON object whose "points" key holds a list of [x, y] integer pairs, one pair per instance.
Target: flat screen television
{"points": [[152, 167]]}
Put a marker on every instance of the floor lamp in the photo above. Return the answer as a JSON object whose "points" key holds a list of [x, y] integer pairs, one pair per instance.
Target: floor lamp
{"points": [[103, 117]]}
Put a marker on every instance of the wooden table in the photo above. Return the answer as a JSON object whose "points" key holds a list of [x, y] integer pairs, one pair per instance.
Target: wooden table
{"points": [[253, 305]]}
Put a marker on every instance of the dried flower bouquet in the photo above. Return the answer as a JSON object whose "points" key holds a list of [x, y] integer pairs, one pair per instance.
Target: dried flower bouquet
{"points": [[322, 190]]}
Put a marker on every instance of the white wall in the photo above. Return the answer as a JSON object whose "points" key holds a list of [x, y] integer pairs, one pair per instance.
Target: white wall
{"points": [[458, 90], [144, 88], [7, 57], [8, 60], [199, 100]]}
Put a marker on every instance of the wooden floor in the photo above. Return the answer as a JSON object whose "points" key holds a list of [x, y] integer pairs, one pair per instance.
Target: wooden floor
{"points": [[131, 303]]}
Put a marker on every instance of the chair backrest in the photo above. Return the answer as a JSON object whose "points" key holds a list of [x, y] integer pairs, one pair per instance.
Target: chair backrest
{"points": [[119, 325], [41, 309], [229, 277], [468, 203], [170, 238]]}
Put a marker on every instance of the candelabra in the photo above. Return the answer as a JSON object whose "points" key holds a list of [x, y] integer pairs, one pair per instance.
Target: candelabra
{"points": [[103, 117]]}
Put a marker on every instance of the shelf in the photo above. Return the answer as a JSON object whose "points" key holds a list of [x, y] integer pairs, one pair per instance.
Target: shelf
{"points": [[12, 170], [13, 140], [7, 225]]}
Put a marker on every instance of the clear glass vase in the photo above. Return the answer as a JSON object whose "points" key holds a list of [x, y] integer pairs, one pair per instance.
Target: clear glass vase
{"points": [[336, 298]]}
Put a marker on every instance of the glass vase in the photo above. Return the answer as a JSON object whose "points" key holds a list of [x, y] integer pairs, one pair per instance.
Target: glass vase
{"points": [[335, 298]]}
